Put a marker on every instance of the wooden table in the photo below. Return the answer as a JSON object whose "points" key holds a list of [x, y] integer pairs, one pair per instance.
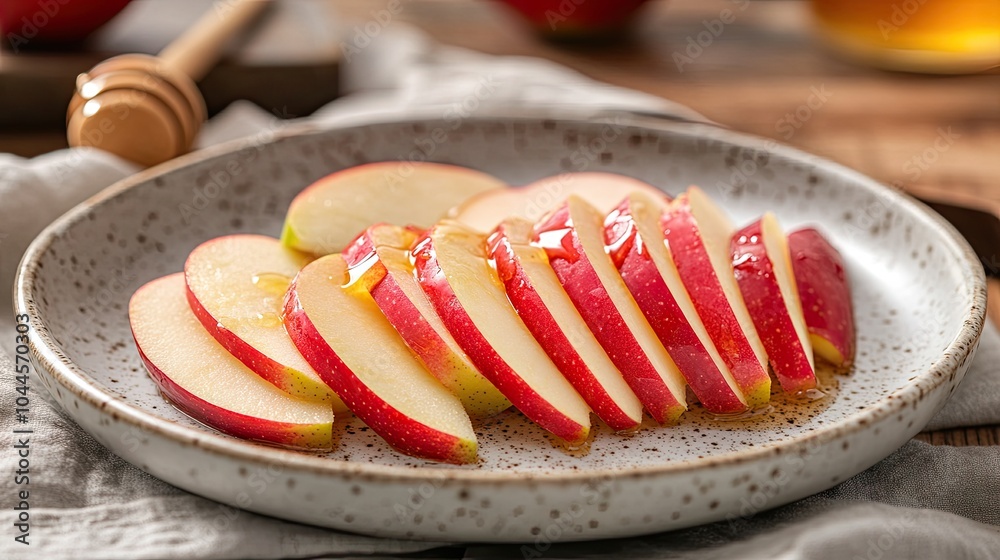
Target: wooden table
{"points": [[757, 72]]}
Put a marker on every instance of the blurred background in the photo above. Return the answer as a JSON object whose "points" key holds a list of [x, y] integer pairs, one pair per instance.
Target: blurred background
{"points": [[907, 91]]}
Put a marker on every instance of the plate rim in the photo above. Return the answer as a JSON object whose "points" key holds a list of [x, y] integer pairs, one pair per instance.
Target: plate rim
{"points": [[48, 354]]}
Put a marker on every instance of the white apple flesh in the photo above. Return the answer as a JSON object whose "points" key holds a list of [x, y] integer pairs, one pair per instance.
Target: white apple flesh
{"points": [[344, 336], [203, 380], [380, 259], [236, 286], [549, 314], [637, 247], [763, 269], [604, 191], [698, 233], [454, 271], [328, 214], [573, 238]]}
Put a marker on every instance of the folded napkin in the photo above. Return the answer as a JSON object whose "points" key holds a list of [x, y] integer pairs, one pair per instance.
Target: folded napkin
{"points": [[923, 501]]}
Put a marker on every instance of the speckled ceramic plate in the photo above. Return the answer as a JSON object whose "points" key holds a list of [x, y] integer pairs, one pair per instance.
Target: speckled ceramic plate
{"points": [[919, 297]]}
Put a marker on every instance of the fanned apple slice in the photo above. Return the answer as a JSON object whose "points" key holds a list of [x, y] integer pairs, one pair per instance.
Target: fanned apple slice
{"points": [[342, 333], [236, 286], [604, 191], [453, 270], [698, 235], [380, 259], [636, 245], [825, 295], [763, 271], [208, 384], [328, 214], [573, 238], [549, 314]]}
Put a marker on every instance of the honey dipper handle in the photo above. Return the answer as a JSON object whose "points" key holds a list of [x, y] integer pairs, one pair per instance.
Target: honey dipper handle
{"points": [[199, 48]]}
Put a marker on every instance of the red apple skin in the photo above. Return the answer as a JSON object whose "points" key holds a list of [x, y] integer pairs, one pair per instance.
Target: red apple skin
{"points": [[60, 22], [296, 435], [274, 372], [755, 276], [682, 235], [287, 379], [665, 315], [490, 364], [398, 430], [825, 294], [559, 18], [408, 320], [546, 330], [598, 310], [316, 436]]}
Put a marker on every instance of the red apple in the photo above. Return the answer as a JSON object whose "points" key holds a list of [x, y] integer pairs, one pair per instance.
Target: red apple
{"points": [[235, 286], [26, 22], [348, 341], [379, 258], [532, 201], [763, 271], [207, 383], [576, 18], [453, 269], [326, 216], [573, 238], [637, 246], [698, 233], [825, 294], [549, 314]]}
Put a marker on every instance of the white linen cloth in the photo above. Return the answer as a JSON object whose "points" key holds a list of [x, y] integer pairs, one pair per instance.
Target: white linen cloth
{"points": [[921, 502]]}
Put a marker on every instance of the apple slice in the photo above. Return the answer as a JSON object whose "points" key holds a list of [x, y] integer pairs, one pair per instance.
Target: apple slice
{"points": [[763, 271], [380, 259], [328, 214], [345, 337], [698, 234], [549, 314], [636, 245], [532, 201], [573, 238], [207, 383], [821, 279], [453, 270], [235, 286]]}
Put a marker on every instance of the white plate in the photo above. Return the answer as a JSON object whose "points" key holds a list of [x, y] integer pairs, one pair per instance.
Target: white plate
{"points": [[919, 298]]}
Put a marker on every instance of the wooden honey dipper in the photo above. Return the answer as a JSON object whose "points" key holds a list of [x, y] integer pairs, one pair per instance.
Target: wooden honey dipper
{"points": [[147, 109]]}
